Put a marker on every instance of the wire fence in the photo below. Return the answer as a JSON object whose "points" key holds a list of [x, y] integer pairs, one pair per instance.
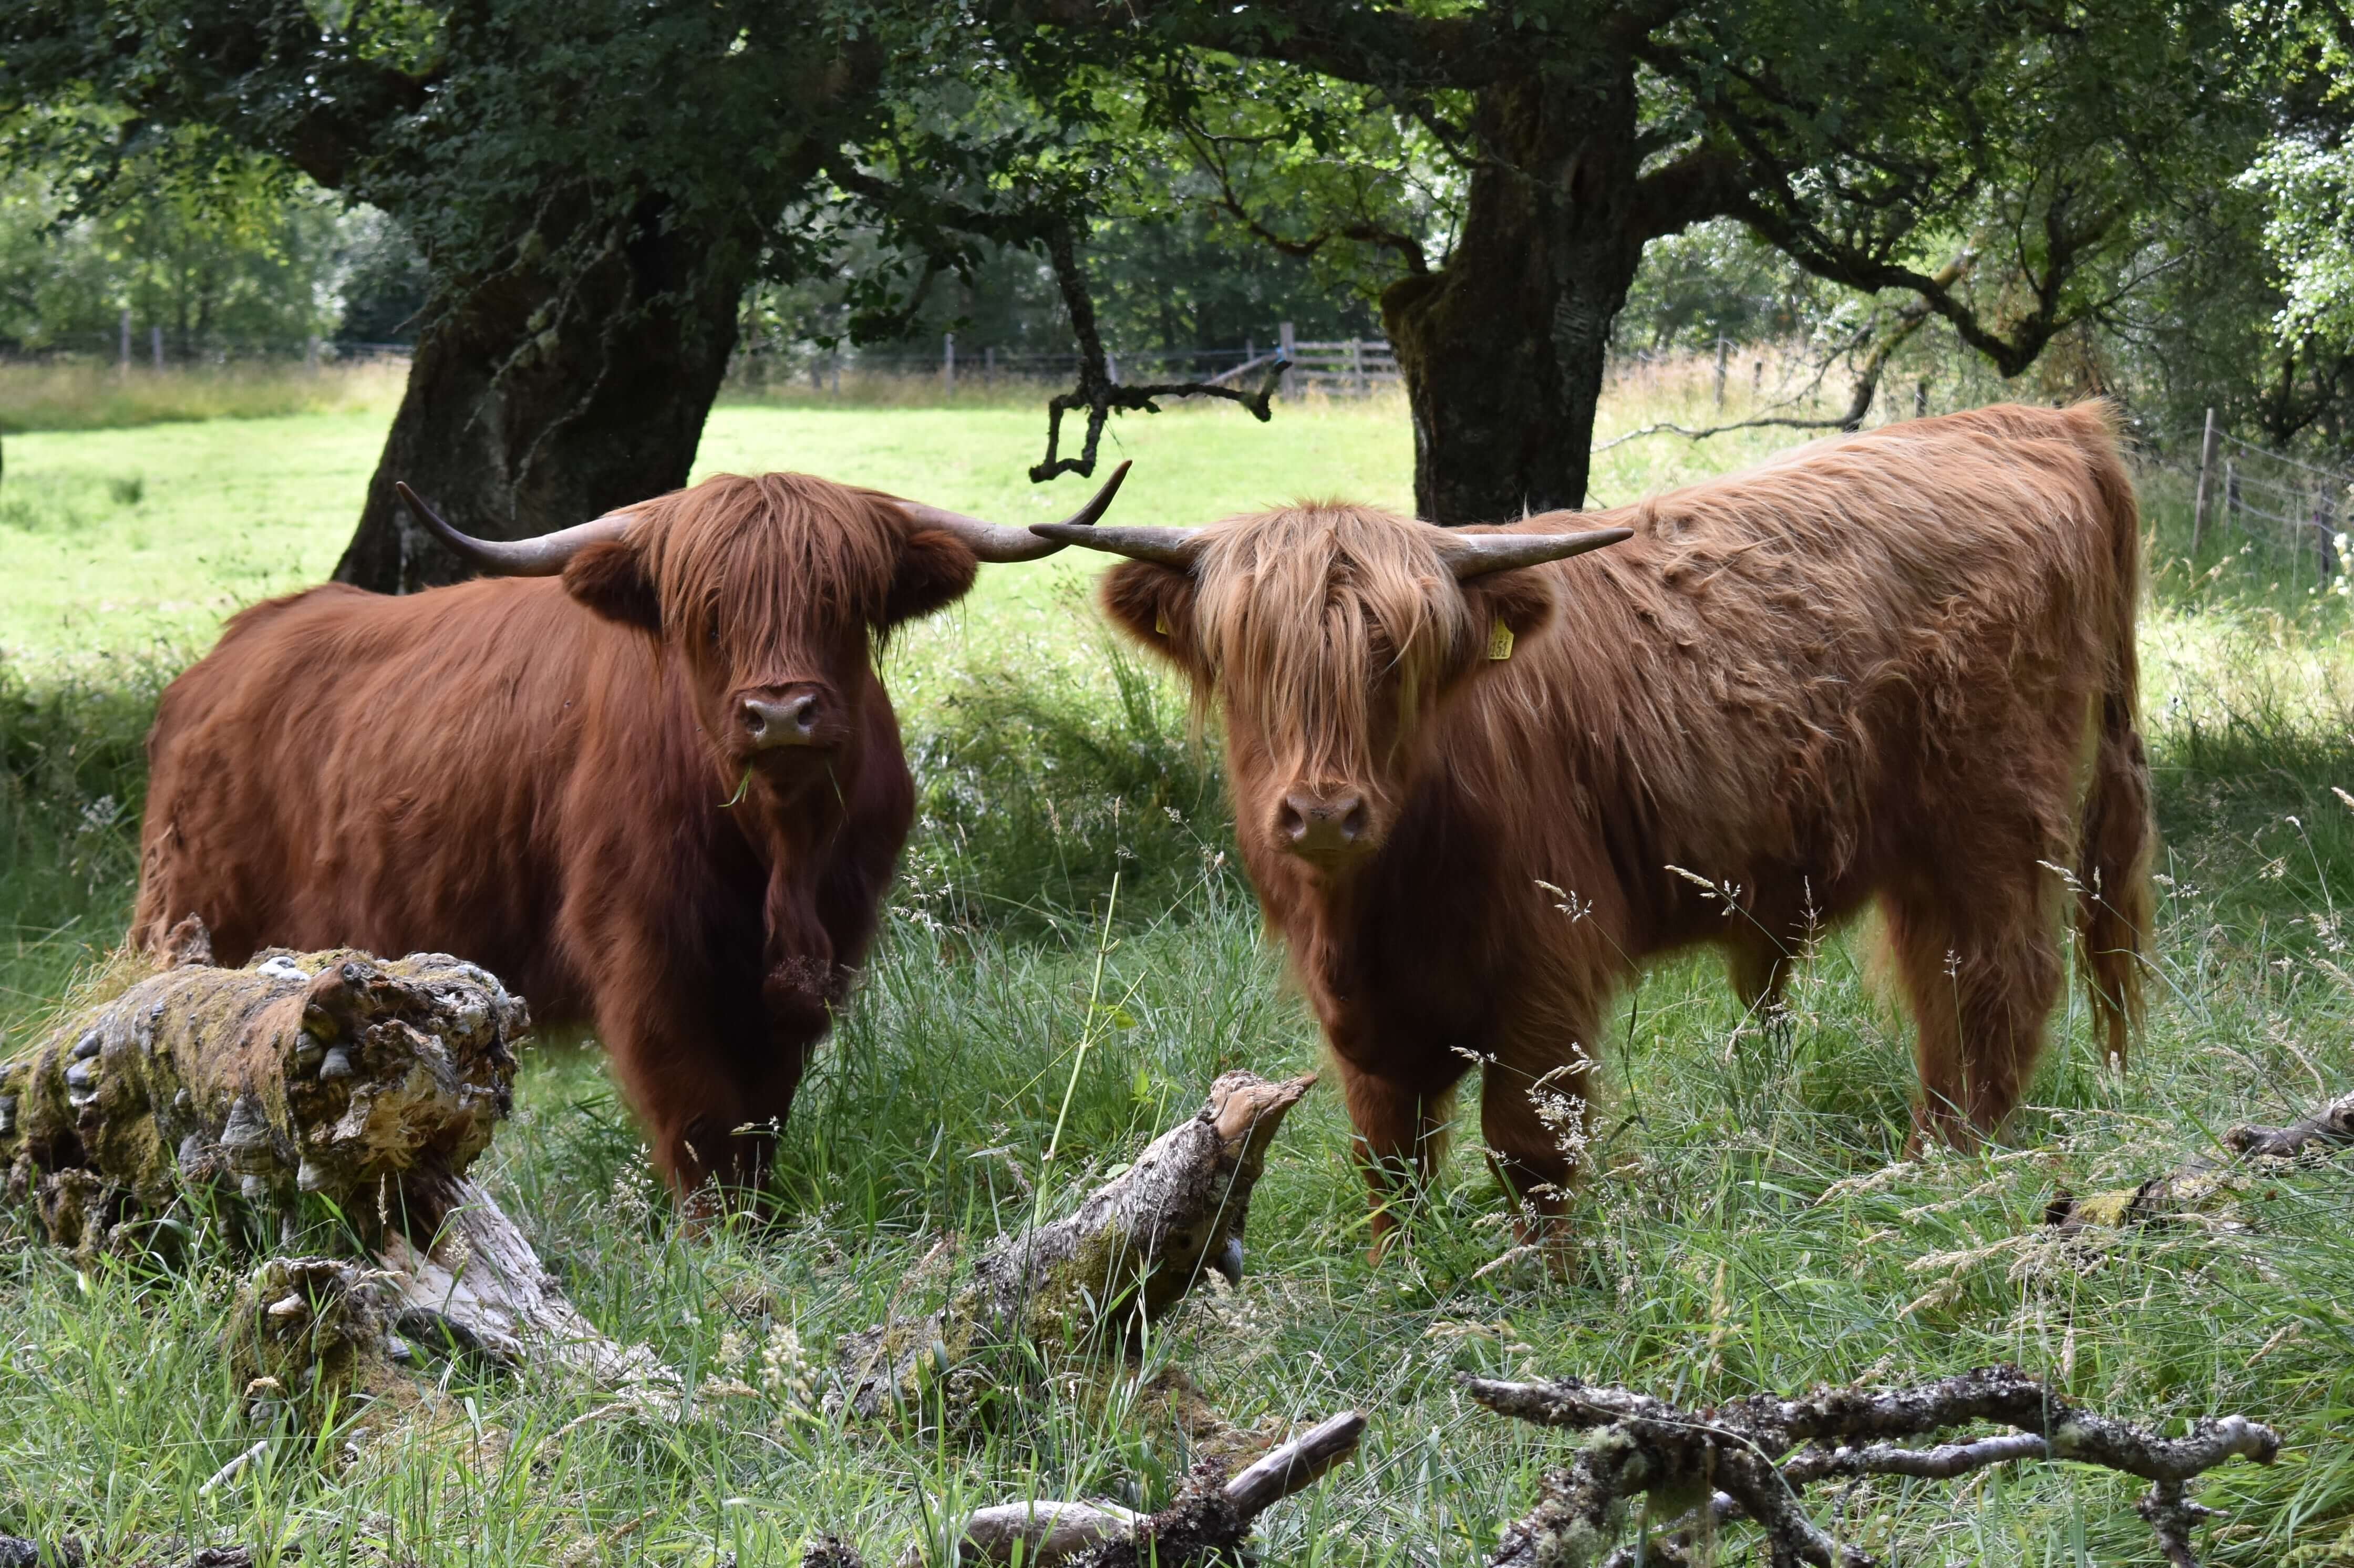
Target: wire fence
{"points": [[2297, 505]]}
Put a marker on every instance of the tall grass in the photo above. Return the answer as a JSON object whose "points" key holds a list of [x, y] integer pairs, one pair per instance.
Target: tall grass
{"points": [[79, 395]]}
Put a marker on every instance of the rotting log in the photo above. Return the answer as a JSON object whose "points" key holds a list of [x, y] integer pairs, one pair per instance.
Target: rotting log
{"points": [[1128, 1253], [1754, 1458], [2202, 1184], [1213, 1514], [205, 1094]]}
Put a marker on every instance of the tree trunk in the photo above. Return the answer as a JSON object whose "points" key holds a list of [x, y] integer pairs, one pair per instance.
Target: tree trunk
{"points": [[1502, 350], [531, 405]]}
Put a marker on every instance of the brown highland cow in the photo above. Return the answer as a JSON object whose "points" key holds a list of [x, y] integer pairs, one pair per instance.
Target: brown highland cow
{"points": [[1896, 666], [659, 789]]}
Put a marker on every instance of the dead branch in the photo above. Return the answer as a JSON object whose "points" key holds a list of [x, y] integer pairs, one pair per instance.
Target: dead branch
{"points": [[1752, 1459], [1211, 1516], [305, 1083], [1124, 1258], [2202, 1184], [1097, 393], [2331, 1127]]}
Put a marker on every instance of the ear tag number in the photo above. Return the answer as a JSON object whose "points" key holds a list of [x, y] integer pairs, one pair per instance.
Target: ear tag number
{"points": [[1499, 640], [1161, 621]]}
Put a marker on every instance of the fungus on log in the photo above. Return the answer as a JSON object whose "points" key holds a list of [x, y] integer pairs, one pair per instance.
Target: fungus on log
{"points": [[1124, 1258], [369, 1084], [1753, 1458]]}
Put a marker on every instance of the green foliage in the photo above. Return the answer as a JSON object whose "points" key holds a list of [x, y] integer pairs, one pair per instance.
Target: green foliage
{"points": [[1042, 788], [73, 774]]}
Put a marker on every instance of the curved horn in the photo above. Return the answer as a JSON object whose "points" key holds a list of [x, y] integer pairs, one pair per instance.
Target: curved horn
{"points": [[541, 558], [997, 542], [1139, 542], [1476, 554]]}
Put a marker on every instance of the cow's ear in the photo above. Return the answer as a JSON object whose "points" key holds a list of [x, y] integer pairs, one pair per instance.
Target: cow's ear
{"points": [[610, 577], [1154, 605], [935, 569], [1507, 608]]}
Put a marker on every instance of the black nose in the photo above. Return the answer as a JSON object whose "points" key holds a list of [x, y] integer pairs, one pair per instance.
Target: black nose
{"points": [[1322, 824], [792, 719]]}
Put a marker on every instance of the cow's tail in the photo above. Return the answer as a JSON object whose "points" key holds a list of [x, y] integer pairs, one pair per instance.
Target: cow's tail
{"points": [[2114, 904]]}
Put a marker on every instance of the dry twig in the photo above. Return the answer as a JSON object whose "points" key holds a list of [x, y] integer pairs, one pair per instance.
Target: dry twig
{"points": [[1753, 1459]]}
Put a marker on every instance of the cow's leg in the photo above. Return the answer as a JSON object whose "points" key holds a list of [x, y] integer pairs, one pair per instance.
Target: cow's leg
{"points": [[1982, 967], [1536, 1112], [1400, 1131], [668, 1038]]}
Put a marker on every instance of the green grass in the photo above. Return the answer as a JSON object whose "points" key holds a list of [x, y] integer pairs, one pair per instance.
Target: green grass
{"points": [[1745, 1229]]}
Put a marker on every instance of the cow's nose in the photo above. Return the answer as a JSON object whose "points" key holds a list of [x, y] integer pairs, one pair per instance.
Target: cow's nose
{"points": [[793, 719], [1319, 825]]}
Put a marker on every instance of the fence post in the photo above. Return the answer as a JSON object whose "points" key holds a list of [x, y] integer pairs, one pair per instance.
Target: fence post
{"points": [[126, 337], [1721, 348], [311, 354], [1920, 399], [155, 344], [989, 366], [1758, 380], [2324, 519], [2199, 499], [1357, 366], [947, 365], [834, 358], [2231, 491], [1286, 343]]}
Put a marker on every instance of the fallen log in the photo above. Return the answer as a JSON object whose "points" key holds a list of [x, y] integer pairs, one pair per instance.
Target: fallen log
{"points": [[1753, 1458], [252, 1097], [1128, 1253], [2202, 1184], [1211, 1517]]}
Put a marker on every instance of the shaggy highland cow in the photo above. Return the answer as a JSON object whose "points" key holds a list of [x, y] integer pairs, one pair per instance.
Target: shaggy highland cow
{"points": [[1895, 667], [659, 789]]}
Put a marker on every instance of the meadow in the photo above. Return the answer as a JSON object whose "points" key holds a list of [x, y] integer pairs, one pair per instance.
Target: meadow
{"points": [[1070, 925]]}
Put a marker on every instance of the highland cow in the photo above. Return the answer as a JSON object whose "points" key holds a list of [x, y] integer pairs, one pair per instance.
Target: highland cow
{"points": [[1477, 792], [658, 789]]}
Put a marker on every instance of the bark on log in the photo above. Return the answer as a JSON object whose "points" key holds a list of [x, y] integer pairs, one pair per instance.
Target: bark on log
{"points": [[1125, 1259], [1752, 1459], [1212, 1517], [204, 1094]]}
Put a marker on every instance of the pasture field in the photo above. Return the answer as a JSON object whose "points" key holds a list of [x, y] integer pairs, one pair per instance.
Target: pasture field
{"points": [[1747, 1224]]}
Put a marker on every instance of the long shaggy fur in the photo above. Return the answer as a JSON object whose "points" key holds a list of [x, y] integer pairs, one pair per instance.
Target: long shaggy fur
{"points": [[1896, 666], [493, 770]]}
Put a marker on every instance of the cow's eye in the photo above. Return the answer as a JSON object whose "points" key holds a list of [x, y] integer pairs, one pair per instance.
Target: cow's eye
{"points": [[712, 637]]}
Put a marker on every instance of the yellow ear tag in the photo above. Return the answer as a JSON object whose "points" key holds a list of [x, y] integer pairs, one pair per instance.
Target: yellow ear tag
{"points": [[1161, 621], [1499, 640]]}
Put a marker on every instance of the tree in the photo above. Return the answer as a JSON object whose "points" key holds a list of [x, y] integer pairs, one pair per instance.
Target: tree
{"points": [[1871, 141], [593, 184]]}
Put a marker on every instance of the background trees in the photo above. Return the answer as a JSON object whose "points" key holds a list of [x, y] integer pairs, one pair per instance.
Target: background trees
{"points": [[600, 197]]}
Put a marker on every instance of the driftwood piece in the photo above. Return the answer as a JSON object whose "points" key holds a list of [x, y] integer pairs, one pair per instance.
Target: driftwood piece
{"points": [[1124, 1258], [2202, 1184], [1752, 1459], [369, 1084], [1211, 1516]]}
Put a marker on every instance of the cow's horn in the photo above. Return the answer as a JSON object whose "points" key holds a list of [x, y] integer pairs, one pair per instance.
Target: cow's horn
{"points": [[1476, 554], [997, 542], [1139, 542], [541, 558]]}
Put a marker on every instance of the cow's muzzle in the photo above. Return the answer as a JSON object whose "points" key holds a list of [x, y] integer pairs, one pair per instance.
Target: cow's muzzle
{"points": [[1326, 827], [801, 715]]}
